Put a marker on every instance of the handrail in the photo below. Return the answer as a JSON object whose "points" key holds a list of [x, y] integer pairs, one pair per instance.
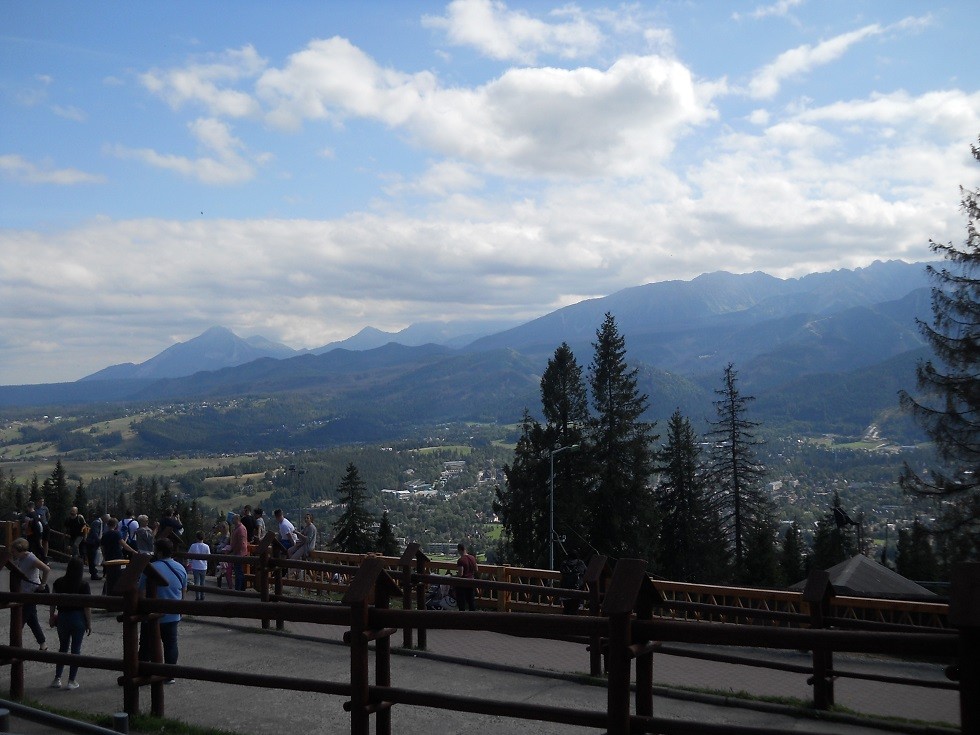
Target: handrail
{"points": [[627, 636]]}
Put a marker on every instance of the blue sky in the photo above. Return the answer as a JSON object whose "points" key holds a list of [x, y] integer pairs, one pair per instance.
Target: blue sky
{"points": [[302, 170]]}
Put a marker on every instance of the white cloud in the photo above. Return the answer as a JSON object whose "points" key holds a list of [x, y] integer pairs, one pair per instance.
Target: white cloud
{"points": [[226, 166], [802, 59], [19, 169], [530, 121], [778, 9], [200, 83], [513, 35], [69, 112]]}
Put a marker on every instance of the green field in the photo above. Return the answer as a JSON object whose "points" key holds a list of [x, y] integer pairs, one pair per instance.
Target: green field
{"points": [[89, 469]]}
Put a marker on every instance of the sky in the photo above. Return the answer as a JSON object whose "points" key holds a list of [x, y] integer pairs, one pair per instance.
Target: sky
{"points": [[302, 170]]}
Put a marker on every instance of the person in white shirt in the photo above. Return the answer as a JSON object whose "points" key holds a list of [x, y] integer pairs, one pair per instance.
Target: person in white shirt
{"points": [[199, 567], [287, 531]]}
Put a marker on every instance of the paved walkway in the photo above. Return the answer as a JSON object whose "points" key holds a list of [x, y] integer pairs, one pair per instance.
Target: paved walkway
{"points": [[471, 663]]}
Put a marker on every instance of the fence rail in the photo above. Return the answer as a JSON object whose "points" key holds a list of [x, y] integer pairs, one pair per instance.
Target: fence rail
{"points": [[630, 618]]}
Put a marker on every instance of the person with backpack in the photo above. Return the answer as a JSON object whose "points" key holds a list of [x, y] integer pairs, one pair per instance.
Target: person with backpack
{"points": [[32, 529], [572, 578], [127, 528]]}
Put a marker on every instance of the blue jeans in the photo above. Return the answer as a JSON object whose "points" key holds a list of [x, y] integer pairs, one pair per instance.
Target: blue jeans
{"points": [[71, 632], [239, 576], [168, 634], [30, 620], [199, 581]]}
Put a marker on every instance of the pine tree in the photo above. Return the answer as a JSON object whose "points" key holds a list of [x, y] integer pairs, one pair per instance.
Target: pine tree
{"points": [[949, 403], [832, 542], [620, 503], [915, 558], [691, 546], [57, 496], [736, 472], [386, 543], [791, 560], [522, 503], [352, 530], [566, 411]]}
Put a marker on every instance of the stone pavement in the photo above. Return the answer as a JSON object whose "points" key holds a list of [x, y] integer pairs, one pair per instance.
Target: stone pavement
{"points": [[471, 663]]}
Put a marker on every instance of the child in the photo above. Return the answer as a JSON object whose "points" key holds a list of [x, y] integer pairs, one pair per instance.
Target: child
{"points": [[199, 566]]}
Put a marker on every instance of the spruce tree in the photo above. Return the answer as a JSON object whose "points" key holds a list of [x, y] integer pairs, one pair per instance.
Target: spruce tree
{"points": [[565, 406], [386, 544], [791, 560], [620, 501], [736, 472], [352, 530], [57, 496], [915, 558], [522, 503], [949, 402], [691, 546]]}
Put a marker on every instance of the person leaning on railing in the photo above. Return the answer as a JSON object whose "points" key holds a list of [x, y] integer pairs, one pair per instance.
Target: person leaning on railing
{"points": [[33, 575]]}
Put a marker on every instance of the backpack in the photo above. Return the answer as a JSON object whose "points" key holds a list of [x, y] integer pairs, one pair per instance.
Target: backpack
{"points": [[572, 574]]}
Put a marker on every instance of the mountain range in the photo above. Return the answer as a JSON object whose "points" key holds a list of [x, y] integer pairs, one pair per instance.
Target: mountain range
{"points": [[804, 338]]}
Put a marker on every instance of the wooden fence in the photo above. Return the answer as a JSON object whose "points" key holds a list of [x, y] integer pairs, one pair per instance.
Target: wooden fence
{"points": [[625, 627]]}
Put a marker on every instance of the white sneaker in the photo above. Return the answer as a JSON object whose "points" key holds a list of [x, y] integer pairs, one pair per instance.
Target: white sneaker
{"points": [[56, 684], [72, 684]]}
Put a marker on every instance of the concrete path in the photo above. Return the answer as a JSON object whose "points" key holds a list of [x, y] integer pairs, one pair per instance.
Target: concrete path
{"points": [[475, 664]]}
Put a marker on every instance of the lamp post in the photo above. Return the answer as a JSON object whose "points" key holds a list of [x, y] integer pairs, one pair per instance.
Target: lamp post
{"points": [[551, 503]]}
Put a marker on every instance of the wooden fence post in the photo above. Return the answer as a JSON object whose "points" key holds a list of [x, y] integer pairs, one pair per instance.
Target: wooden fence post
{"points": [[817, 594], [128, 588], [405, 562], [422, 567], [964, 615], [16, 617], [262, 569], [627, 580], [596, 575], [371, 584]]}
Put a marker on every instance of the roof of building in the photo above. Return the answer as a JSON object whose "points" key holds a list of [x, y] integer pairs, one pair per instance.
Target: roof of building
{"points": [[861, 576]]}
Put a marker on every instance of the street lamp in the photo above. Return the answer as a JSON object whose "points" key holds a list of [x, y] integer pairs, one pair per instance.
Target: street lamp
{"points": [[551, 511]]}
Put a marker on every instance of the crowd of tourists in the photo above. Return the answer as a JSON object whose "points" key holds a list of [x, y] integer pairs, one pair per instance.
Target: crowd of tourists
{"points": [[106, 542]]}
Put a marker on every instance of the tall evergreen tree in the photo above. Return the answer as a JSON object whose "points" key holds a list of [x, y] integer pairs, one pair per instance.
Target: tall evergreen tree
{"points": [[832, 542], [791, 559], [352, 530], [566, 411], [915, 558], [736, 471], [387, 545], [691, 545], [949, 404], [57, 496], [620, 503], [522, 503]]}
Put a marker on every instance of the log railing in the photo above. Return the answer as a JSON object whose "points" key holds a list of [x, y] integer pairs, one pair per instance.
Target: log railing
{"points": [[625, 625]]}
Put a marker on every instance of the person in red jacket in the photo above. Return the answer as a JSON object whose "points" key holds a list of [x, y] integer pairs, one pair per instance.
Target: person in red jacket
{"points": [[466, 566]]}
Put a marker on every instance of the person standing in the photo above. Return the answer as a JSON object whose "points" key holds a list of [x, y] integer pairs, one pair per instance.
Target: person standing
{"points": [[144, 536], [112, 551], [128, 526], [175, 585], [466, 567], [44, 518], [33, 576], [170, 523], [199, 567], [92, 543], [248, 520], [75, 529], [73, 622], [32, 529], [259, 525], [239, 547]]}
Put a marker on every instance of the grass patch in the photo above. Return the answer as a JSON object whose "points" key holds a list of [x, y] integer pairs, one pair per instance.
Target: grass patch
{"points": [[139, 724]]}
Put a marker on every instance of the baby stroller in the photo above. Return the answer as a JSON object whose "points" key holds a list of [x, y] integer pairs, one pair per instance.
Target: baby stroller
{"points": [[440, 597]]}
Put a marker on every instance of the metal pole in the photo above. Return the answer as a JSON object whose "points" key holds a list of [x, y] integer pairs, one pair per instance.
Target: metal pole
{"points": [[551, 504]]}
